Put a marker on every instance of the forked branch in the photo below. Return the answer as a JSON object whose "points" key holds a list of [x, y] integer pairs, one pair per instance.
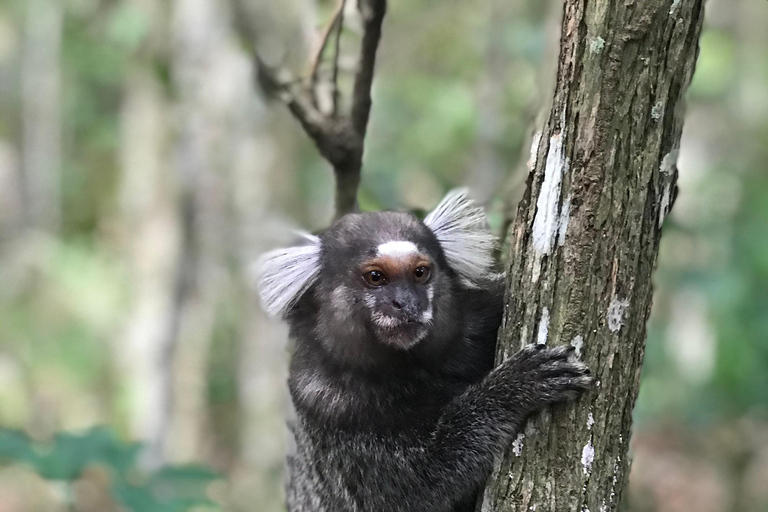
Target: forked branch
{"points": [[339, 136]]}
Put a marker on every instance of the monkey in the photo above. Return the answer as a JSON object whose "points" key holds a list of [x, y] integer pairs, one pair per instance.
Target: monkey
{"points": [[394, 319]]}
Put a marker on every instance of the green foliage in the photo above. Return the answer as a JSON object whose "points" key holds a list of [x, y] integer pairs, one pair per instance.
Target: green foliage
{"points": [[67, 456], [170, 489]]}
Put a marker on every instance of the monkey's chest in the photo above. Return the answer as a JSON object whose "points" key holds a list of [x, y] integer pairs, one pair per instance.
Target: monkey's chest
{"points": [[356, 471], [364, 456]]}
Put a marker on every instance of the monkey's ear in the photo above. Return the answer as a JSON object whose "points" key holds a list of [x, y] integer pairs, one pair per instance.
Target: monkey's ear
{"points": [[284, 275], [462, 230]]}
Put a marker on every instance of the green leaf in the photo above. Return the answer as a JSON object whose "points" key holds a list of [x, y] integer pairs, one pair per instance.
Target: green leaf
{"points": [[71, 454], [67, 455], [170, 489], [15, 446]]}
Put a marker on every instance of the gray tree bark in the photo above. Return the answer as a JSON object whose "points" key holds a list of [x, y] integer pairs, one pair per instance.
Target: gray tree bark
{"points": [[585, 240], [41, 114]]}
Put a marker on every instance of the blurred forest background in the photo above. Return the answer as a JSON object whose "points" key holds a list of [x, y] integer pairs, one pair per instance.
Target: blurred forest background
{"points": [[142, 173]]}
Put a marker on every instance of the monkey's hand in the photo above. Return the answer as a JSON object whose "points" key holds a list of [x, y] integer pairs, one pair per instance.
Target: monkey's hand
{"points": [[538, 376], [477, 424]]}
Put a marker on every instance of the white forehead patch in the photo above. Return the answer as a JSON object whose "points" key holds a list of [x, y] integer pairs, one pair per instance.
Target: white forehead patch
{"points": [[397, 249]]}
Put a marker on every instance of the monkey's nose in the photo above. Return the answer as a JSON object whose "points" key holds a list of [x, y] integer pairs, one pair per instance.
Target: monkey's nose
{"points": [[397, 304]]}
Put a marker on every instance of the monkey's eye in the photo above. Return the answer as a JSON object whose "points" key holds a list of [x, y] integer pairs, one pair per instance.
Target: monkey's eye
{"points": [[421, 274], [375, 278]]}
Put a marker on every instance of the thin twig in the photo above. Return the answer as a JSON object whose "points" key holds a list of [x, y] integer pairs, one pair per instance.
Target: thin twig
{"points": [[335, 24], [337, 53]]}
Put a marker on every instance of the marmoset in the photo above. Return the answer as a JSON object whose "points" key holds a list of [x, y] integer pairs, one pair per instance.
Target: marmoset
{"points": [[398, 406]]}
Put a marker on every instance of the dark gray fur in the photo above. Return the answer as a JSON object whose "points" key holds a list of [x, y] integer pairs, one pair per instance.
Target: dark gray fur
{"points": [[383, 428]]}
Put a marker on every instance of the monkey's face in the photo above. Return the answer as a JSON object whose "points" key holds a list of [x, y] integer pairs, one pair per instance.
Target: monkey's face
{"points": [[381, 272], [382, 280], [398, 291]]}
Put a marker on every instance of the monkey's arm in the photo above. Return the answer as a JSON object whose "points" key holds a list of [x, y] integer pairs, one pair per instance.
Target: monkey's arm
{"points": [[459, 456]]}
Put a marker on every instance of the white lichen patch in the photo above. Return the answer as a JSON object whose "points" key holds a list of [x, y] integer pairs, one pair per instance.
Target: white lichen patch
{"points": [[674, 7], [517, 444], [590, 421], [656, 110], [546, 223], [565, 215], [577, 343], [587, 457], [669, 162], [550, 223], [616, 311], [666, 169], [597, 44], [541, 339]]}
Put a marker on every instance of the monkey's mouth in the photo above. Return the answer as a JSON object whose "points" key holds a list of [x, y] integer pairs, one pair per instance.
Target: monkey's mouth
{"points": [[400, 332], [386, 322]]}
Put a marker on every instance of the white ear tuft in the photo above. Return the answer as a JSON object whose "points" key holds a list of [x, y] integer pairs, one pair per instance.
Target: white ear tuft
{"points": [[462, 230], [284, 275]]}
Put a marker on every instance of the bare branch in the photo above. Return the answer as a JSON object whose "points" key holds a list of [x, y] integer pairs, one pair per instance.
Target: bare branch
{"points": [[373, 12], [276, 85], [311, 119]]}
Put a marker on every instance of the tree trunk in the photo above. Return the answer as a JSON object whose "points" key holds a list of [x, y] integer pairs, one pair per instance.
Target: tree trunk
{"points": [[585, 240], [208, 75], [151, 237], [41, 113]]}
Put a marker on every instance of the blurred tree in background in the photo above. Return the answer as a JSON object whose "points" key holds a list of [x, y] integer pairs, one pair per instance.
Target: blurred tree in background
{"points": [[141, 174]]}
